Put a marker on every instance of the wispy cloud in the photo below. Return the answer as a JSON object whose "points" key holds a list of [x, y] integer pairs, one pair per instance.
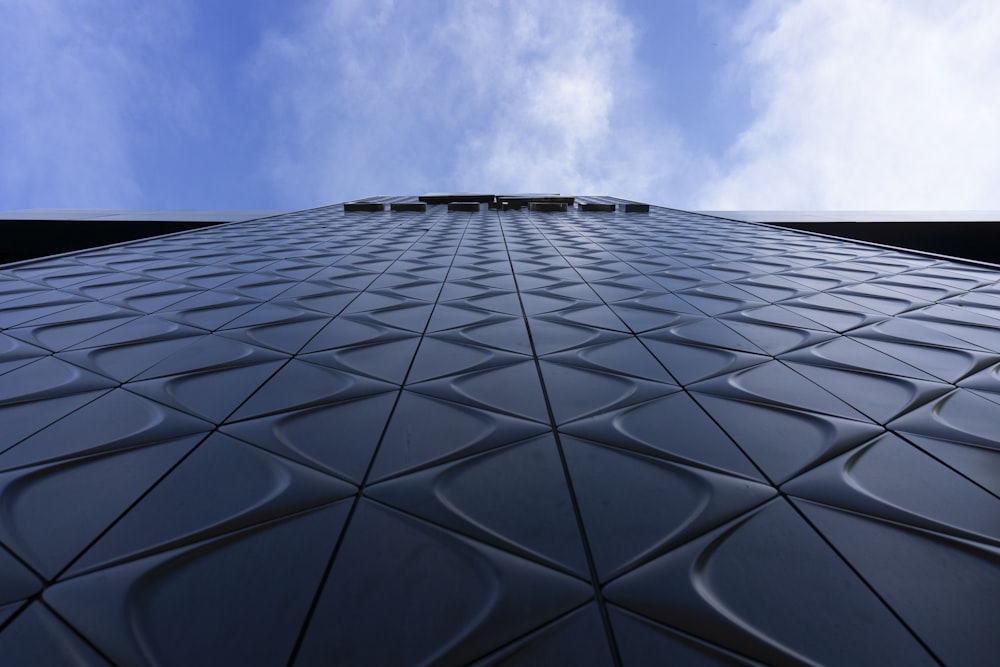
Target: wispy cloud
{"points": [[494, 95], [881, 104], [877, 104], [564, 107], [75, 78]]}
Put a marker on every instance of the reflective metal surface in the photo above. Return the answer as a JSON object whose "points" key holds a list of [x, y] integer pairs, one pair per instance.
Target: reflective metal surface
{"points": [[499, 437]]}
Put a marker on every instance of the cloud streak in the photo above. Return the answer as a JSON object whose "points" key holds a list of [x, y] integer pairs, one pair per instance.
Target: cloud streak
{"points": [[493, 95], [74, 83], [881, 104]]}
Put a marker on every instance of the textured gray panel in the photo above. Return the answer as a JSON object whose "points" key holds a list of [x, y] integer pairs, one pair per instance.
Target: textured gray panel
{"points": [[499, 436]]}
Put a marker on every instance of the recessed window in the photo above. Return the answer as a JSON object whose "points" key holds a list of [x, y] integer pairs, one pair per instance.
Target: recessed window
{"points": [[415, 206], [363, 206], [463, 206], [596, 206]]}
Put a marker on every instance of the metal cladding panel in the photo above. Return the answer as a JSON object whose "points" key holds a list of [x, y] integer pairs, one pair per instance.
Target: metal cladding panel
{"points": [[502, 436]]}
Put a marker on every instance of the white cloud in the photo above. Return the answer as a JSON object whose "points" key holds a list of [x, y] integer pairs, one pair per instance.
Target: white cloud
{"points": [[874, 104], [493, 95], [857, 104], [74, 81]]}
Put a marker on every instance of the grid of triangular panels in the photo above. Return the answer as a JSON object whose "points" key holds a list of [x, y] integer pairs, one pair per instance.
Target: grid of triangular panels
{"points": [[507, 436]]}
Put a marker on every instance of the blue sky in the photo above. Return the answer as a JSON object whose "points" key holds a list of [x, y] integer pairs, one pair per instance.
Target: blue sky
{"points": [[850, 104]]}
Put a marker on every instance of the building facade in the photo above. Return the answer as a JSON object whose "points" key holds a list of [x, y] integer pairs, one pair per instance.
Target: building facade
{"points": [[499, 430]]}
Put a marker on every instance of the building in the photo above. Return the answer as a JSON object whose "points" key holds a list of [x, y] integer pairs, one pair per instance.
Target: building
{"points": [[524, 429]]}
